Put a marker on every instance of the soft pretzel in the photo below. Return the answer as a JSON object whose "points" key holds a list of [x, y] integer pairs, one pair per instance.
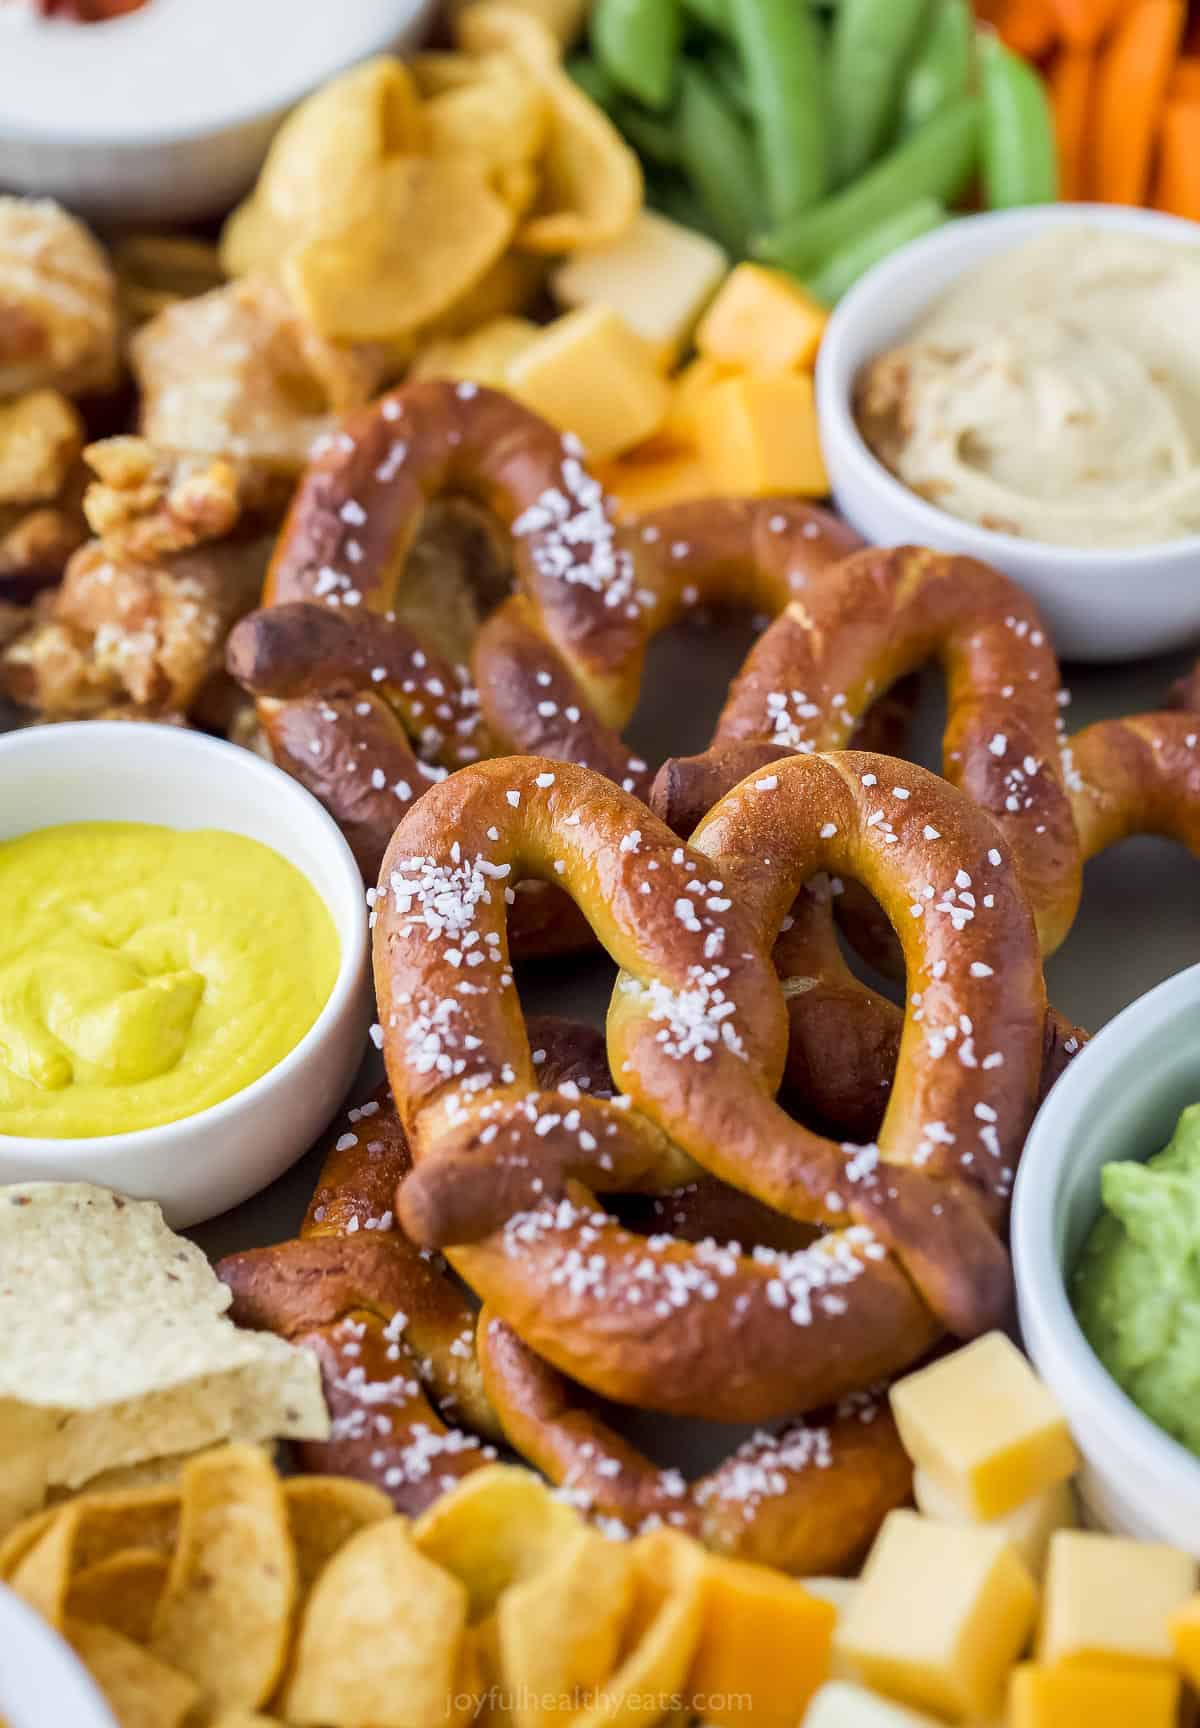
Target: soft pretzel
{"points": [[413, 1382], [849, 632], [698, 1036], [356, 697]]}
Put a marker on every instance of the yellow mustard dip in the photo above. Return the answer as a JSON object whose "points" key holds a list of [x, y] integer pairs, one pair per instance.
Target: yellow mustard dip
{"points": [[146, 973]]}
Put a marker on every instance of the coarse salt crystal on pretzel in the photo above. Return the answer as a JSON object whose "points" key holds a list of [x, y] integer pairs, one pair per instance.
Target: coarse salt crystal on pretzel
{"points": [[363, 696], [904, 1233]]}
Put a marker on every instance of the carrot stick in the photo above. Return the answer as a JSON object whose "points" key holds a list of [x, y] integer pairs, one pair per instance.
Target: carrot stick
{"points": [[1028, 27], [1082, 23], [1185, 82], [1071, 83], [1177, 187], [1131, 84]]}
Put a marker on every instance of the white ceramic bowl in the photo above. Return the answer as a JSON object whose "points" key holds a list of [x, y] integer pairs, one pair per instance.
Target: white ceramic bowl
{"points": [[42, 1681], [1099, 605], [1120, 1098], [122, 772], [165, 114]]}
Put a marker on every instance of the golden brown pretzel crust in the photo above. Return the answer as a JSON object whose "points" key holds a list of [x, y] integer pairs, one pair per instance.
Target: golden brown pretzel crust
{"points": [[698, 1035], [849, 633], [359, 705]]}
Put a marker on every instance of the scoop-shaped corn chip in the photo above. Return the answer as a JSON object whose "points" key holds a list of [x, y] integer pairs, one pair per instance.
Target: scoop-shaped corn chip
{"points": [[121, 1592], [142, 1692], [499, 1526], [661, 1638], [323, 1513]]}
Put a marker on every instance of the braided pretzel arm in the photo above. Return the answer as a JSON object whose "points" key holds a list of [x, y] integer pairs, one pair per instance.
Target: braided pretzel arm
{"points": [[582, 1292], [850, 633]]}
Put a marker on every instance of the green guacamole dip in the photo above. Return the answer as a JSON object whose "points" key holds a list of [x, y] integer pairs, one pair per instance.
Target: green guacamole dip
{"points": [[1136, 1289]]}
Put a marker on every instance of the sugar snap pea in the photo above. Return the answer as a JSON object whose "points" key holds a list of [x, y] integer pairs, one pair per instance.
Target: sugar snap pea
{"points": [[781, 45], [941, 72], [637, 42], [594, 81], [843, 269], [1020, 161], [725, 64], [718, 158], [871, 45], [936, 162], [652, 136]]}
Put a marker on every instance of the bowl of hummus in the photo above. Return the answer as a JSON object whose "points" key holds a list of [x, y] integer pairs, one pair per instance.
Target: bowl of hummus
{"points": [[1024, 387], [1106, 1251]]}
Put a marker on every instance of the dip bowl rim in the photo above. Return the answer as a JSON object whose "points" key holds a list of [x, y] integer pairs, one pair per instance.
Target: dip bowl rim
{"points": [[40, 1663]]}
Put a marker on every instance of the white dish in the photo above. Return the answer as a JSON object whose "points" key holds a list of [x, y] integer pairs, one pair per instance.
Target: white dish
{"points": [[117, 771], [165, 114], [1120, 1098], [42, 1681], [1099, 605]]}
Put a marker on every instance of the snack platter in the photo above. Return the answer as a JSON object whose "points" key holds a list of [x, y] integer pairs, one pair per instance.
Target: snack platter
{"points": [[600, 749]]}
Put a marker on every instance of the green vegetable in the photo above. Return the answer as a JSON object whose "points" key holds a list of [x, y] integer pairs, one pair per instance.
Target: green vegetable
{"points": [[1020, 161], [872, 43], [724, 62], [672, 196], [781, 45], [594, 81], [637, 42], [936, 162], [652, 137], [843, 269], [713, 14], [718, 158], [941, 72]]}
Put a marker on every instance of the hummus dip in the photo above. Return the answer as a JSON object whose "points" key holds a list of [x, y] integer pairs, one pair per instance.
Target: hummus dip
{"points": [[1053, 393]]}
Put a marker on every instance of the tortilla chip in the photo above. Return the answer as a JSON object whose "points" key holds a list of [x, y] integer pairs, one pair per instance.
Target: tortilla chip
{"points": [[592, 184], [225, 1614], [509, 287], [21, 1539], [142, 1692], [501, 117], [499, 1526], [150, 1365], [43, 1577], [564, 19], [380, 1639], [41, 1557], [323, 1513], [433, 229], [121, 1592], [560, 1632], [662, 1635], [26, 1436]]}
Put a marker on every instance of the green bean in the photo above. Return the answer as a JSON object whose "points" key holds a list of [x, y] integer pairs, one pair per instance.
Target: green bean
{"points": [[718, 158], [594, 81], [1020, 161], [843, 269], [637, 42], [726, 67], [872, 43], [653, 137], [941, 72], [781, 45], [936, 162]]}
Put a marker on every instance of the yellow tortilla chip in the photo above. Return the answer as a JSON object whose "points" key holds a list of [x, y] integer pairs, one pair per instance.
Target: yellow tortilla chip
{"points": [[433, 228], [501, 116], [121, 1592], [380, 1639], [664, 1629], [592, 184], [559, 1632], [509, 287], [225, 1614], [22, 1538], [26, 1439], [141, 1691], [499, 1526], [98, 1526], [564, 19], [323, 1513], [43, 1577]]}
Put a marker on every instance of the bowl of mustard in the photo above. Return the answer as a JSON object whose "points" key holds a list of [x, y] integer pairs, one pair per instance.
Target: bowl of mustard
{"points": [[183, 965]]}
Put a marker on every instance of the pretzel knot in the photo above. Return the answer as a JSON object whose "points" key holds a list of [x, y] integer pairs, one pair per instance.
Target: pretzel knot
{"points": [[375, 674], [904, 1241]]}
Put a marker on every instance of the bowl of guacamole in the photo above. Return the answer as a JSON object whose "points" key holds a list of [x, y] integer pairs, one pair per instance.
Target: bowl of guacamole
{"points": [[1106, 1255]]}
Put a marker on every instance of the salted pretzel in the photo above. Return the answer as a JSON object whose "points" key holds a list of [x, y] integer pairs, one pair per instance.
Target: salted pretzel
{"points": [[904, 1235], [374, 676], [414, 1378]]}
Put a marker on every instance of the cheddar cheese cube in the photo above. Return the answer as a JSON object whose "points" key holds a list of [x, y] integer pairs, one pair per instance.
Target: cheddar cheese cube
{"points": [[1028, 1526], [589, 373], [1054, 1697], [1110, 1600], [483, 357], [762, 321], [842, 1705], [983, 1426], [757, 435], [1185, 1638], [688, 388], [764, 1647], [658, 277], [942, 1613], [638, 483]]}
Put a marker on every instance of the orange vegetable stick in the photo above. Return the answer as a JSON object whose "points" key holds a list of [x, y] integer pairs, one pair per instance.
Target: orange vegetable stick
{"points": [[1082, 23], [1177, 188], [1185, 83], [1071, 83], [1028, 27], [1131, 85]]}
